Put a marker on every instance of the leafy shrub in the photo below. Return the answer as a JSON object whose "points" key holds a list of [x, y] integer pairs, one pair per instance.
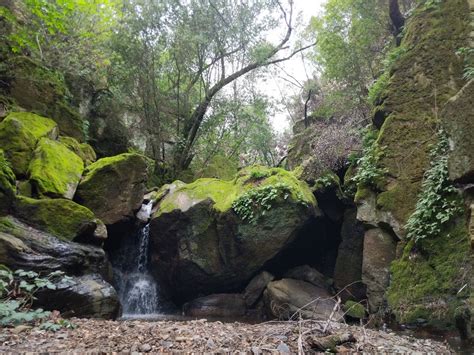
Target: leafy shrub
{"points": [[17, 290], [254, 203], [438, 202], [368, 172]]}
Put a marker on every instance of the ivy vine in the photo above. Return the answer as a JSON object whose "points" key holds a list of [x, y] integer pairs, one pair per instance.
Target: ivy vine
{"points": [[438, 202]]}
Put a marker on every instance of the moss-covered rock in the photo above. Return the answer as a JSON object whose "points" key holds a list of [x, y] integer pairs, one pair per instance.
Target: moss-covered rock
{"points": [[55, 170], [38, 89], [113, 187], [458, 121], [354, 310], [62, 218], [7, 184], [429, 280], [215, 234], [426, 74], [83, 150], [19, 133]]}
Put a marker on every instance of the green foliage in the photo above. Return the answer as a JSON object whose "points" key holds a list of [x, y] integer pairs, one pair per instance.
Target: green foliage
{"points": [[254, 203], [438, 202], [378, 87], [369, 173], [17, 293], [468, 54]]}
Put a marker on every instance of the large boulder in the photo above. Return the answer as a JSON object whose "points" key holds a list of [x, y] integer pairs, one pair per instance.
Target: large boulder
{"points": [[458, 121], [19, 133], [288, 298], [214, 235], [55, 170], [7, 184], [24, 247], [113, 187], [88, 296], [83, 150], [308, 274], [62, 218], [218, 305]]}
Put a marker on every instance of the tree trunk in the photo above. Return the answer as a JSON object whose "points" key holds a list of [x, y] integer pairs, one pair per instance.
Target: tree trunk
{"points": [[397, 19]]}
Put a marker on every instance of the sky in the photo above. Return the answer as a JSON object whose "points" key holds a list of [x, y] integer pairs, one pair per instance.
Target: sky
{"points": [[276, 87]]}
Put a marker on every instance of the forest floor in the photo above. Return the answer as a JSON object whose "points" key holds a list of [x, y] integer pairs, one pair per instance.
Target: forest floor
{"points": [[101, 336]]}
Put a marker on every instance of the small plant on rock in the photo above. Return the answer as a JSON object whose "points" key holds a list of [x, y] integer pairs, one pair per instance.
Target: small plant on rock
{"points": [[438, 202], [254, 203], [17, 293]]}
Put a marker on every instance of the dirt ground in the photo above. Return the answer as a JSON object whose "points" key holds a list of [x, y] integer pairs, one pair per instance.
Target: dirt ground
{"points": [[100, 336]]}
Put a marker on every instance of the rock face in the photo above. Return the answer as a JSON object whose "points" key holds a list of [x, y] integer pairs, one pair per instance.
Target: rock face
{"points": [[348, 269], [218, 305], [285, 297], [7, 184], [458, 121], [113, 187], [62, 218], [89, 295], [204, 245], [55, 170], [19, 133], [379, 252]]}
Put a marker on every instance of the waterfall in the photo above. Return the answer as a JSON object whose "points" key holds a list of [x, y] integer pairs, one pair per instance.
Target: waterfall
{"points": [[136, 287]]}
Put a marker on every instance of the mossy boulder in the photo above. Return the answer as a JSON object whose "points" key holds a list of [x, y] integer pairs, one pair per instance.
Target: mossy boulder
{"points": [[214, 235], [7, 184], [354, 310], [113, 187], [62, 218], [83, 150], [41, 90], [55, 170], [19, 134]]}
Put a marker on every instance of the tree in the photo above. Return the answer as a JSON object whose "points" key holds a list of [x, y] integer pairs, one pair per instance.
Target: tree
{"points": [[195, 50]]}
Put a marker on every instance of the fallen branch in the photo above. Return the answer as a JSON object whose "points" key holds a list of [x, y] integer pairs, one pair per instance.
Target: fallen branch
{"points": [[329, 343]]}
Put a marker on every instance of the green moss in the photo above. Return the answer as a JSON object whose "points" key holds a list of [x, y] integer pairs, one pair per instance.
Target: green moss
{"points": [[223, 193], [427, 280], [354, 310], [7, 184], [62, 218], [83, 150], [55, 171], [362, 193], [113, 162], [328, 180], [423, 78], [19, 133]]}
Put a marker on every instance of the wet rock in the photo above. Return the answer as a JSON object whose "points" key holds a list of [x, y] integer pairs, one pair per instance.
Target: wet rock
{"points": [[308, 274], [256, 286], [113, 187], [218, 305], [288, 298]]}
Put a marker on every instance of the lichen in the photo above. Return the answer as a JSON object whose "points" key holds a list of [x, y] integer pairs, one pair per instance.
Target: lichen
{"points": [[223, 193], [55, 170], [19, 133]]}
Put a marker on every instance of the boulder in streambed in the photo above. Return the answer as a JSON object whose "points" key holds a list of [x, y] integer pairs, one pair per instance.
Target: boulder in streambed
{"points": [[213, 235], [256, 286], [289, 298], [217, 305], [113, 187]]}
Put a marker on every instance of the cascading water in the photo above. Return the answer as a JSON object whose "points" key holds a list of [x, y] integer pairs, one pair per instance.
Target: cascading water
{"points": [[137, 289]]}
